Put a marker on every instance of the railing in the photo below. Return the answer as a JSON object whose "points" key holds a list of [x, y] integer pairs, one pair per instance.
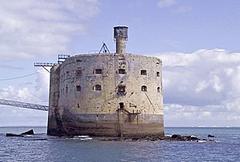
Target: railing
{"points": [[23, 105]]}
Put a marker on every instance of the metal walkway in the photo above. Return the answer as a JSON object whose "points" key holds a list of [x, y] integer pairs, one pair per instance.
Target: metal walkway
{"points": [[23, 105]]}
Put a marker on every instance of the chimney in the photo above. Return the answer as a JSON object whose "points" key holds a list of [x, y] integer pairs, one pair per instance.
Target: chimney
{"points": [[121, 36]]}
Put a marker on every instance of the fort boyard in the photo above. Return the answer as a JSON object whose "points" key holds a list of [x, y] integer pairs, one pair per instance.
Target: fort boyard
{"points": [[107, 94]]}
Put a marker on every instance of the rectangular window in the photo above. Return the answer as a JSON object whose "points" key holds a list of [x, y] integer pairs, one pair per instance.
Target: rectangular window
{"points": [[78, 88], [78, 73], [143, 72], [98, 87], [121, 90], [98, 71], [66, 89], [67, 74], [144, 88], [121, 105], [158, 74], [121, 71]]}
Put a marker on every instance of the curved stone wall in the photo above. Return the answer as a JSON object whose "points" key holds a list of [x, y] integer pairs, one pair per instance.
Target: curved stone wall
{"points": [[108, 95]]}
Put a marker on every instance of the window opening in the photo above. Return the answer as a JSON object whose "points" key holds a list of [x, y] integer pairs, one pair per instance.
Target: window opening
{"points": [[98, 71], [144, 88], [121, 71], [121, 105], [66, 89], [143, 72], [158, 74], [121, 90], [78, 73], [78, 87], [98, 87]]}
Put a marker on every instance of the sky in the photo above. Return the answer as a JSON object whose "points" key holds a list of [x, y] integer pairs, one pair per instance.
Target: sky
{"points": [[198, 42]]}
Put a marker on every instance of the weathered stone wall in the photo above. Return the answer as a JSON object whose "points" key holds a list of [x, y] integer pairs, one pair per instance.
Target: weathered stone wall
{"points": [[119, 105]]}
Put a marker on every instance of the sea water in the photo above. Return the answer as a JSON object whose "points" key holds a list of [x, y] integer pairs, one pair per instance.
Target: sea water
{"points": [[41, 147]]}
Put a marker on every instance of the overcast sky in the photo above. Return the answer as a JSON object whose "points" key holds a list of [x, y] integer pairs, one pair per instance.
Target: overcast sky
{"points": [[198, 42]]}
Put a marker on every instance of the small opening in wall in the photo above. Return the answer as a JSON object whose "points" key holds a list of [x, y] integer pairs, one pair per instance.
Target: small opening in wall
{"points": [[66, 89], [78, 73], [158, 89], [158, 74], [78, 60], [98, 71], [144, 88], [143, 72], [121, 105], [78, 105], [121, 71], [121, 90], [67, 74], [98, 87], [78, 88]]}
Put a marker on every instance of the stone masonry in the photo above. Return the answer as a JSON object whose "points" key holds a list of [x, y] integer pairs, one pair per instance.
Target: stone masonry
{"points": [[117, 94]]}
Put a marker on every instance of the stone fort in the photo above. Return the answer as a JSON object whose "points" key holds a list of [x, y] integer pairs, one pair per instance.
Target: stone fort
{"points": [[110, 94]]}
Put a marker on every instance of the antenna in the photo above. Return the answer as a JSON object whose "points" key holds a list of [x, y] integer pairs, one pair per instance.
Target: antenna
{"points": [[104, 49]]}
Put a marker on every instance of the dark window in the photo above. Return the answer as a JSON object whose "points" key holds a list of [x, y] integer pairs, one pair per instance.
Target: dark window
{"points": [[78, 105], [158, 89], [121, 71], [78, 60], [158, 74], [121, 90], [67, 74], [78, 73], [121, 105], [66, 89], [144, 88], [78, 88], [98, 71], [143, 72], [98, 87]]}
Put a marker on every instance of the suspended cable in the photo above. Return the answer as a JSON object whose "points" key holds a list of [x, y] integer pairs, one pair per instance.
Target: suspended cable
{"points": [[19, 77]]}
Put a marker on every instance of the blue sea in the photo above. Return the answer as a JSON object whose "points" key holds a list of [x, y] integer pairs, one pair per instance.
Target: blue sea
{"points": [[41, 147]]}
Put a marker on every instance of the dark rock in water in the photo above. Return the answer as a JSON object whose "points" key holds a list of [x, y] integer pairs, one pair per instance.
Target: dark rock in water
{"points": [[13, 135], [177, 137], [135, 139], [30, 132], [194, 138], [210, 135]]}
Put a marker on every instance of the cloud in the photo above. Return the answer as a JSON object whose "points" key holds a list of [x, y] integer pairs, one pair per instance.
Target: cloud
{"points": [[202, 77], [32, 28], [174, 6], [166, 3], [198, 82], [200, 88], [33, 91], [183, 9]]}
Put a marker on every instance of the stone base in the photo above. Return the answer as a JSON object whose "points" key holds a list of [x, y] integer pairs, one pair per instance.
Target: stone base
{"points": [[107, 125]]}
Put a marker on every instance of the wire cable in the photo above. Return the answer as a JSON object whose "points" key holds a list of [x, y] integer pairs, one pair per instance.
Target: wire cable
{"points": [[19, 77]]}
